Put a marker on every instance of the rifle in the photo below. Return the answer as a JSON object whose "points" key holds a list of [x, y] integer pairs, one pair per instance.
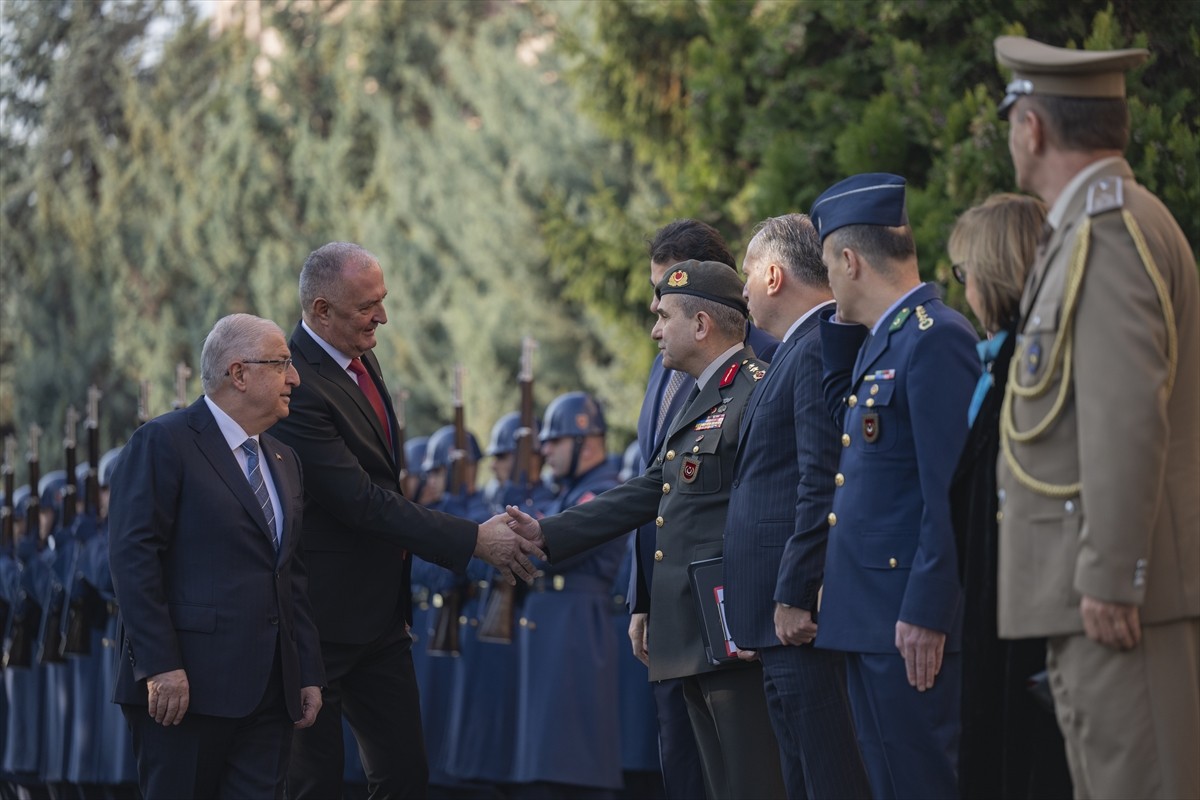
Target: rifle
{"points": [[500, 604], [50, 642], [73, 636], [6, 523], [457, 479], [448, 604], [91, 501], [182, 373], [28, 615], [400, 404]]}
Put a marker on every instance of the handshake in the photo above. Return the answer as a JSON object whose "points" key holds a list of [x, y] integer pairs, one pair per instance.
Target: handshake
{"points": [[508, 541]]}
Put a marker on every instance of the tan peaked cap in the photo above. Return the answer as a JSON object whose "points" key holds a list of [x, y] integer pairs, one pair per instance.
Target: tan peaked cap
{"points": [[1042, 69]]}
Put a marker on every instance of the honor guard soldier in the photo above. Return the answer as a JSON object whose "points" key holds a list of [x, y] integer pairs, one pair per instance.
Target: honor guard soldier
{"points": [[685, 493], [568, 724], [898, 380], [1100, 435]]}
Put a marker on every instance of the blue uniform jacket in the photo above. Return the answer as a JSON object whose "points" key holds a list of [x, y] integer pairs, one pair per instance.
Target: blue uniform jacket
{"points": [[899, 400]]}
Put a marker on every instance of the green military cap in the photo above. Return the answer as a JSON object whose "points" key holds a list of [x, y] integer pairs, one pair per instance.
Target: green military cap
{"points": [[1040, 69], [711, 280]]}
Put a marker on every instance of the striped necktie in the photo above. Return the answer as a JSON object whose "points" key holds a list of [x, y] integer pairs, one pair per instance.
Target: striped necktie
{"points": [[260, 488]]}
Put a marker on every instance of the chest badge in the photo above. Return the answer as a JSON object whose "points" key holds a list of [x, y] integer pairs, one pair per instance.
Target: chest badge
{"points": [[870, 427], [689, 469]]}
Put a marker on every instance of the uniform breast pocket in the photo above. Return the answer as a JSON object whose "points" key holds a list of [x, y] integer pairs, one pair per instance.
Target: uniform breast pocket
{"points": [[1034, 346], [889, 550], [873, 420], [699, 466]]}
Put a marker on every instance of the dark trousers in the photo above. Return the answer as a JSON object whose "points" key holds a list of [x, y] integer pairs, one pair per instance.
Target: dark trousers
{"points": [[908, 739], [683, 778], [738, 750], [375, 686], [810, 713], [206, 756]]}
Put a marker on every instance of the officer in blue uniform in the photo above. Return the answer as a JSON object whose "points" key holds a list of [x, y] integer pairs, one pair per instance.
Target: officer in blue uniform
{"points": [[446, 682], [58, 700], [568, 726], [23, 741], [101, 749], [900, 368]]}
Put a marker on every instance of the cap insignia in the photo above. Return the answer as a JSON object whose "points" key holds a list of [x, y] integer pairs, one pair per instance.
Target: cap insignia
{"points": [[678, 278]]}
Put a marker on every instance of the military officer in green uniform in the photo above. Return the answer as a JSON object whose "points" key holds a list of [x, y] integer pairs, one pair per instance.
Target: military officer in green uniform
{"points": [[685, 491], [1100, 435]]}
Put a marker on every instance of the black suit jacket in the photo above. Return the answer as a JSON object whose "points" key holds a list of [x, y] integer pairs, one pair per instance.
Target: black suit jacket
{"points": [[198, 580], [358, 528], [778, 523]]}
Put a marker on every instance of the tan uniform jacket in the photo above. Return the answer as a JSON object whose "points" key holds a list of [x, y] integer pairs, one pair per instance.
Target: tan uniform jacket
{"points": [[1120, 517]]}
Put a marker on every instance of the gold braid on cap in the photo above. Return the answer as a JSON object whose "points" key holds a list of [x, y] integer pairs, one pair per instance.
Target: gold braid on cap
{"points": [[1060, 354]]}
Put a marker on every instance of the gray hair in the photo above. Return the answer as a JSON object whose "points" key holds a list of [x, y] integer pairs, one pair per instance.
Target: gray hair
{"points": [[792, 242], [728, 320], [322, 271], [233, 337]]}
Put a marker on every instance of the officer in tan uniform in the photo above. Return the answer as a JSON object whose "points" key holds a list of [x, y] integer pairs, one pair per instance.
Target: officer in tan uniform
{"points": [[1100, 435]]}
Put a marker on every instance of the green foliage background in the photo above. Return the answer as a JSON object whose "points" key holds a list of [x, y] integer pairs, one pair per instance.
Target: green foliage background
{"points": [[505, 160]]}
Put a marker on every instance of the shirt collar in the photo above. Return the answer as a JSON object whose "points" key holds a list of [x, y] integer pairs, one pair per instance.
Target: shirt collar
{"points": [[233, 433], [804, 316], [341, 358]]}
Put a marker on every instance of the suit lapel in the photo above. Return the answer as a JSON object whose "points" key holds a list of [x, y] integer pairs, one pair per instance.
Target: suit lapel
{"points": [[329, 370], [212, 444], [780, 359]]}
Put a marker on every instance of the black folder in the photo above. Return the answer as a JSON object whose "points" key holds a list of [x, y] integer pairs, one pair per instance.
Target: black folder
{"points": [[707, 578]]}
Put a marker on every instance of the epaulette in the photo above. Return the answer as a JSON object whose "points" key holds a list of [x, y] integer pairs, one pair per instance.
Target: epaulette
{"points": [[1105, 194], [756, 372]]}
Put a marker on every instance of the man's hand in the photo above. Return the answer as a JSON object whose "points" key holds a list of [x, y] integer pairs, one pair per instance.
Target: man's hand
{"points": [[639, 625], [922, 649], [794, 626], [1114, 625], [169, 695], [747, 655], [507, 551], [310, 705], [525, 525]]}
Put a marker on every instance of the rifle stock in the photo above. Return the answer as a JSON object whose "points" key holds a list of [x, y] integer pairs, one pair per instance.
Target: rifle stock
{"points": [[500, 604]]}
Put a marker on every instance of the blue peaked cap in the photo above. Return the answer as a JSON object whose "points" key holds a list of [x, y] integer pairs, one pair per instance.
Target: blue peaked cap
{"points": [[873, 198]]}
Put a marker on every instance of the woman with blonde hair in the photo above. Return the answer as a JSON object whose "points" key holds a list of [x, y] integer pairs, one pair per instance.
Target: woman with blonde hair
{"points": [[1010, 745]]}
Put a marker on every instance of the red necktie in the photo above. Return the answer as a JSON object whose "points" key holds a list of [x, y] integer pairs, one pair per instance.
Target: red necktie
{"points": [[373, 396]]}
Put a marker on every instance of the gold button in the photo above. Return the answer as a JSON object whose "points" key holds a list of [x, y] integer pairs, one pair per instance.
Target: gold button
{"points": [[474, 622], [666, 488], [523, 622], [658, 556], [892, 563], [852, 400], [532, 626], [462, 620], [658, 521], [832, 519], [999, 516], [696, 449], [875, 388], [560, 582], [839, 479], [670, 455], [870, 402], [845, 440]]}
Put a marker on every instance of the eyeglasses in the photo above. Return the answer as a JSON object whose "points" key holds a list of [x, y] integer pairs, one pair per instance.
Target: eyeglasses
{"points": [[960, 273], [280, 364]]}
